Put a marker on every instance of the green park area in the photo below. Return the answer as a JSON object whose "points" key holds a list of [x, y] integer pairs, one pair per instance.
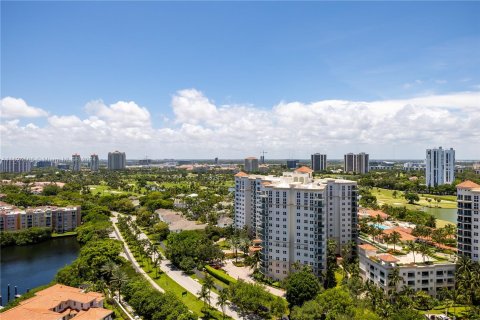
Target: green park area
{"points": [[396, 198]]}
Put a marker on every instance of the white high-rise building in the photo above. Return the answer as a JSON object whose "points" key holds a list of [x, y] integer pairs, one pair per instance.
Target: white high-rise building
{"points": [[251, 164], [94, 162], [468, 216], [319, 162], [116, 160], [440, 166], [356, 163], [76, 162], [294, 216]]}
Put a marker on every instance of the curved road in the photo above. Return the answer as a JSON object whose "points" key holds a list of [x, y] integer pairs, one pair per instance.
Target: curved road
{"points": [[178, 276]]}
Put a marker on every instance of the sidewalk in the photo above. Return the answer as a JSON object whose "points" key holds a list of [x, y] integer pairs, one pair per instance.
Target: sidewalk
{"points": [[179, 277]]}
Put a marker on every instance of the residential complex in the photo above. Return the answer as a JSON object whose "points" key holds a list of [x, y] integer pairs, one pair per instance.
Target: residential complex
{"points": [[76, 162], [319, 162], [292, 164], [294, 215], [15, 165], [356, 163], [468, 225], [251, 164], [440, 167], [430, 277], [116, 160], [94, 162], [60, 302], [59, 219]]}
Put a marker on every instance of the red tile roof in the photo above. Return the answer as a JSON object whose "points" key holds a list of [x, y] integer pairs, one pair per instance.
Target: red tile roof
{"points": [[468, 185], [241, 174], [304, 169], [367, 246], [387, 257]]}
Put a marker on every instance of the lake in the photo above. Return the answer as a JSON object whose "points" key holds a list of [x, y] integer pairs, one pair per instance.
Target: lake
{"points": [[449, 215], [31, 266]]}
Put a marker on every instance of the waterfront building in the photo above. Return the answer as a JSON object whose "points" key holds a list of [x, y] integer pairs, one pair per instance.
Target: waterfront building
{"points": [[59, 219], [319, 162], [94, 162], [292, 164], [440, 166], [76, 162], [117, 160], [430, 277], [356, 163], [251, 164], [294, 216], [15, 165], [468, 216], [60, 302]]}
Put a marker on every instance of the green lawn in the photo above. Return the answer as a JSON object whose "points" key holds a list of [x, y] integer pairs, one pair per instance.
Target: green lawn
{"points": [[386, 196], [65, 234], [457, 311]]}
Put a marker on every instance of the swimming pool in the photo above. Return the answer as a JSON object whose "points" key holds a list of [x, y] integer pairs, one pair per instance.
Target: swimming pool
{"points": [[380, 226]]}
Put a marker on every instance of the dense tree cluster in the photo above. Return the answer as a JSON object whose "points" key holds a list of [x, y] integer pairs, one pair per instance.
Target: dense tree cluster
{"points": [[190, 249], [24, 236]]}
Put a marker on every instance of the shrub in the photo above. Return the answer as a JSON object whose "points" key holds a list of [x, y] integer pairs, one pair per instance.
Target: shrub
{"points": [[220, 275]]}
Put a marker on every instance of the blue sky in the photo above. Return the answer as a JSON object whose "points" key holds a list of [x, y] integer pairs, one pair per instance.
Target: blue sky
{"points": [[59, 56]]}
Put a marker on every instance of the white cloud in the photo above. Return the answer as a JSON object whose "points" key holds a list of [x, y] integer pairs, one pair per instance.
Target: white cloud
{"points": [[389, 128], [18, 108]]}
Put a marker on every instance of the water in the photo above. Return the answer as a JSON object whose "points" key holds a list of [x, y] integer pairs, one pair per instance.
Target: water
{"points": [[449, 215], [381, 226], [31, 266]]}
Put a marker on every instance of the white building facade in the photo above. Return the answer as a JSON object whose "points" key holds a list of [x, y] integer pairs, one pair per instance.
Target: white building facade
{"points": [[294, 216], [430, 278], [468, 216], [440, 166], [15, 165]]}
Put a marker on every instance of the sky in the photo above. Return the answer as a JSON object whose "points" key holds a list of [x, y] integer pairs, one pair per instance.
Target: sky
{"points": [[230, 79]]}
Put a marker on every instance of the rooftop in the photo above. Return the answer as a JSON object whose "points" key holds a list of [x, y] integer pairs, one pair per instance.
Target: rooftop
{"points": [[467, 184]]}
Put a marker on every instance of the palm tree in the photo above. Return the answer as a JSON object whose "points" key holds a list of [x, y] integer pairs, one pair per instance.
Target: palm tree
{"points": [[425, 250], [412, 246], [108, 269], [204, 294], [234, 242], [119, 279], [395, 278], [245, 244], [222, 300], [395, 237]]}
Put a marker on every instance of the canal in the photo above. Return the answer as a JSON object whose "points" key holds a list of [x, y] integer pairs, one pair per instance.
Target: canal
{"points": [[31, 266]]}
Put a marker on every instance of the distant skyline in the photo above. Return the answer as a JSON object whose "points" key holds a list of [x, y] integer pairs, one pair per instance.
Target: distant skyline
{"points": [[207, 79]]}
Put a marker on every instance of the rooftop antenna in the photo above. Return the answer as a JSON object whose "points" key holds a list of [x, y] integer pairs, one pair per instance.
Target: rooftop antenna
{"points": [[262, 158]]}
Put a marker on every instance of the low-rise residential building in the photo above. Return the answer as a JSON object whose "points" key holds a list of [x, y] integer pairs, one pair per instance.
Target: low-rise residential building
{"points": [[59, 219], [430, 276], [60, 302]]}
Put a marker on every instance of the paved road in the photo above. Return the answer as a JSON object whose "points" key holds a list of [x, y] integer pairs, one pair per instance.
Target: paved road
{"points": [[179, 277]]}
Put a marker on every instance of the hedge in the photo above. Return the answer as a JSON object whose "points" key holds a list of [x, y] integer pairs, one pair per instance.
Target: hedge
{"points": [[220, 275]]}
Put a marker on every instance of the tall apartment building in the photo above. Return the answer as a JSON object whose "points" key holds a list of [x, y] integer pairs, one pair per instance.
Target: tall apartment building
{"points": [[292, 164], [117, 160], [319, 162], [15, 165], [294, 215], [59, 219], [468, 224], [76, 162], [94, 162], [440, 166], [356, 163], [251, 164]]}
